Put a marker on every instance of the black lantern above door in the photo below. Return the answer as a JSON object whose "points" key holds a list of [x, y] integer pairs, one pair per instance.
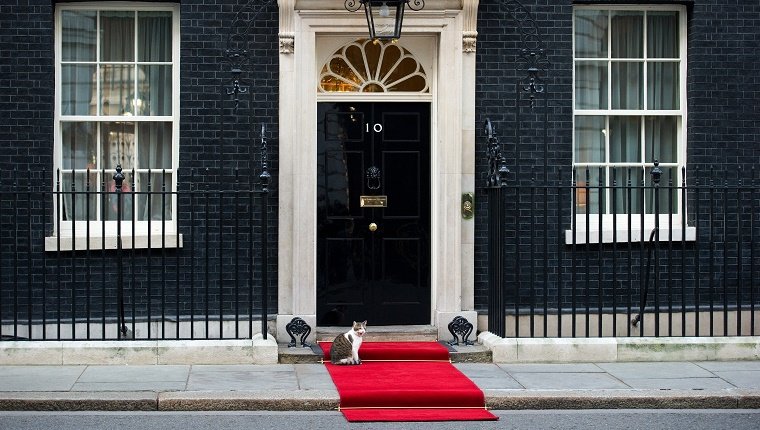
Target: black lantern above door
{"points": [[384, 17]]}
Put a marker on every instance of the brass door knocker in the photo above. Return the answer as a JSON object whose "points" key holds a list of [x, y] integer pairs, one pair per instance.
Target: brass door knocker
{"points": [[373, 178]]}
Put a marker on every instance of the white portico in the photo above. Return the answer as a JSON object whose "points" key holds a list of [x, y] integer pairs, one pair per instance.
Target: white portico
{"points": [[442, 37]]}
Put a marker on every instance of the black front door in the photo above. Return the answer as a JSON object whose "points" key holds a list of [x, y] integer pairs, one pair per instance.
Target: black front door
{"points": [[373, 213]]}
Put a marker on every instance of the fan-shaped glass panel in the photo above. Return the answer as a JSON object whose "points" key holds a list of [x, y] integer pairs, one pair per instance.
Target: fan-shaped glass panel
{"points": [[368, 66]]}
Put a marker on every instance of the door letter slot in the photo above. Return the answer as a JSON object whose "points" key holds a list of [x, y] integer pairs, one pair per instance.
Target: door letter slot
{"points": [[373, 201]]}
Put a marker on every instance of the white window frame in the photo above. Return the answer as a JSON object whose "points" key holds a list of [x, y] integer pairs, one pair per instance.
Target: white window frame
{"points": [[63, 235], [581, 232]]}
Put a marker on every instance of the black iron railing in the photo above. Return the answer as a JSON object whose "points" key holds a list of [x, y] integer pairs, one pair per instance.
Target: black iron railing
{"points": [[129, 256], [667, 257]]}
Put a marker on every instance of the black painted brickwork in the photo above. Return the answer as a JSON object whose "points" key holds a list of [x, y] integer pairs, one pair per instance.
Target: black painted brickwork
{"points": [[723, 118], [219, 151], [722, 130], [26, 85]]}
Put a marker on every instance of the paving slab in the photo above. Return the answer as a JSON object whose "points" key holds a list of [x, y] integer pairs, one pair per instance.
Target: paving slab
{"points": [[131, 374], [722, 366], [741, 378], [640, 370], [155, 386], [481, 370], [241, 381], [39, 378], [552, 368], [568, 381], [312, 377], [488, 376], [242, 367]]}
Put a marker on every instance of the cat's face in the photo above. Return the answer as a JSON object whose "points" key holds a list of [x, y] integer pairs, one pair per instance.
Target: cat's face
{"points": [[360, 328]]}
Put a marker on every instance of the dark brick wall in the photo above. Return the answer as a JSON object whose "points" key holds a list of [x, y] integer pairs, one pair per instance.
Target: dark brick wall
{"points": [[218, 148], [220, 143], [219, 151], [723, 118], [528, 134], [724, 84], [26, 85]]}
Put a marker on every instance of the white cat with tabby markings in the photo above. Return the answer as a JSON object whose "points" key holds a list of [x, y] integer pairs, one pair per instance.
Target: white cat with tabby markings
{"points": [[345, 347]]}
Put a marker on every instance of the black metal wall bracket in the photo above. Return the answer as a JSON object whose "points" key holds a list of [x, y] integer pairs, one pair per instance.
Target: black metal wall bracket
{"points": [[298, 326], [459, 327]]}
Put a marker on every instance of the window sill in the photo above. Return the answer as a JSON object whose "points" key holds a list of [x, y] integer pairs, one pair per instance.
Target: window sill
{"points": [[157, 241], [676, 234]]}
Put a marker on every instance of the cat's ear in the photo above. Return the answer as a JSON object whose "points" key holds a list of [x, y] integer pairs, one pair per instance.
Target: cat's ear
{"points": [[364, 323], [354, 323]]}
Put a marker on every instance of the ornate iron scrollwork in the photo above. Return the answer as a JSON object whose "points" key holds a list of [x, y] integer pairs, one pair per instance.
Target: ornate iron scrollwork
{"points": [[459, 327], [264, 176], [236, 53], [497, 164], [298, 326], [537, 63], [533, 54]]}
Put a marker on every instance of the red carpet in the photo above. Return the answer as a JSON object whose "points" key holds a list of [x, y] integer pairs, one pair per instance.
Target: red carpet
{"points": [[406, 381]]}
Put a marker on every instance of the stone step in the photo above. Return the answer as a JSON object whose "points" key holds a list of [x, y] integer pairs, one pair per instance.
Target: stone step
{"points": [[417, 333], [459, 354], [391, 333]]}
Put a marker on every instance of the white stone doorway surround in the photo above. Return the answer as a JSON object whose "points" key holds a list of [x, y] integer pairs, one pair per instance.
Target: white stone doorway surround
{"points": [[449, 26]]}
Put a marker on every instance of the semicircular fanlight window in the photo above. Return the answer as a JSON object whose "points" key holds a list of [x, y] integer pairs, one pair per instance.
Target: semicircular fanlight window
{"points": [[367, 66]]}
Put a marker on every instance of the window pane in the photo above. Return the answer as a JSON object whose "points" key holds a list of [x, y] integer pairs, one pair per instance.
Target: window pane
{"points": [[155, 140], [117, 29], [118, 140], [661, 139], [627, 88], [76, 202], [591, 85], [78, 35], [154, 36], [117, 90], [664, 194], [625, 139], [155, 193], [662, 86], [79, 145], [111, 197], [627, 196], [154, 95], [590, 34], [627, 35], [77, 90], [588, 190], [589, 139], [662, 35]]}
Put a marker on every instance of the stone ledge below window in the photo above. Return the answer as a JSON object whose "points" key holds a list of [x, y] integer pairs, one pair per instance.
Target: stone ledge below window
{"points": [[171, 240], [677, 234]]}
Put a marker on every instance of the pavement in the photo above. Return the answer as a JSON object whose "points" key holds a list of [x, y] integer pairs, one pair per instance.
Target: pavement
{"points": [[299, 387]]}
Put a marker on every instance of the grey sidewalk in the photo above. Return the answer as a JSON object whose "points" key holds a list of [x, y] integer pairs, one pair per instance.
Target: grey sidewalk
{"points": [[309, 387]]}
